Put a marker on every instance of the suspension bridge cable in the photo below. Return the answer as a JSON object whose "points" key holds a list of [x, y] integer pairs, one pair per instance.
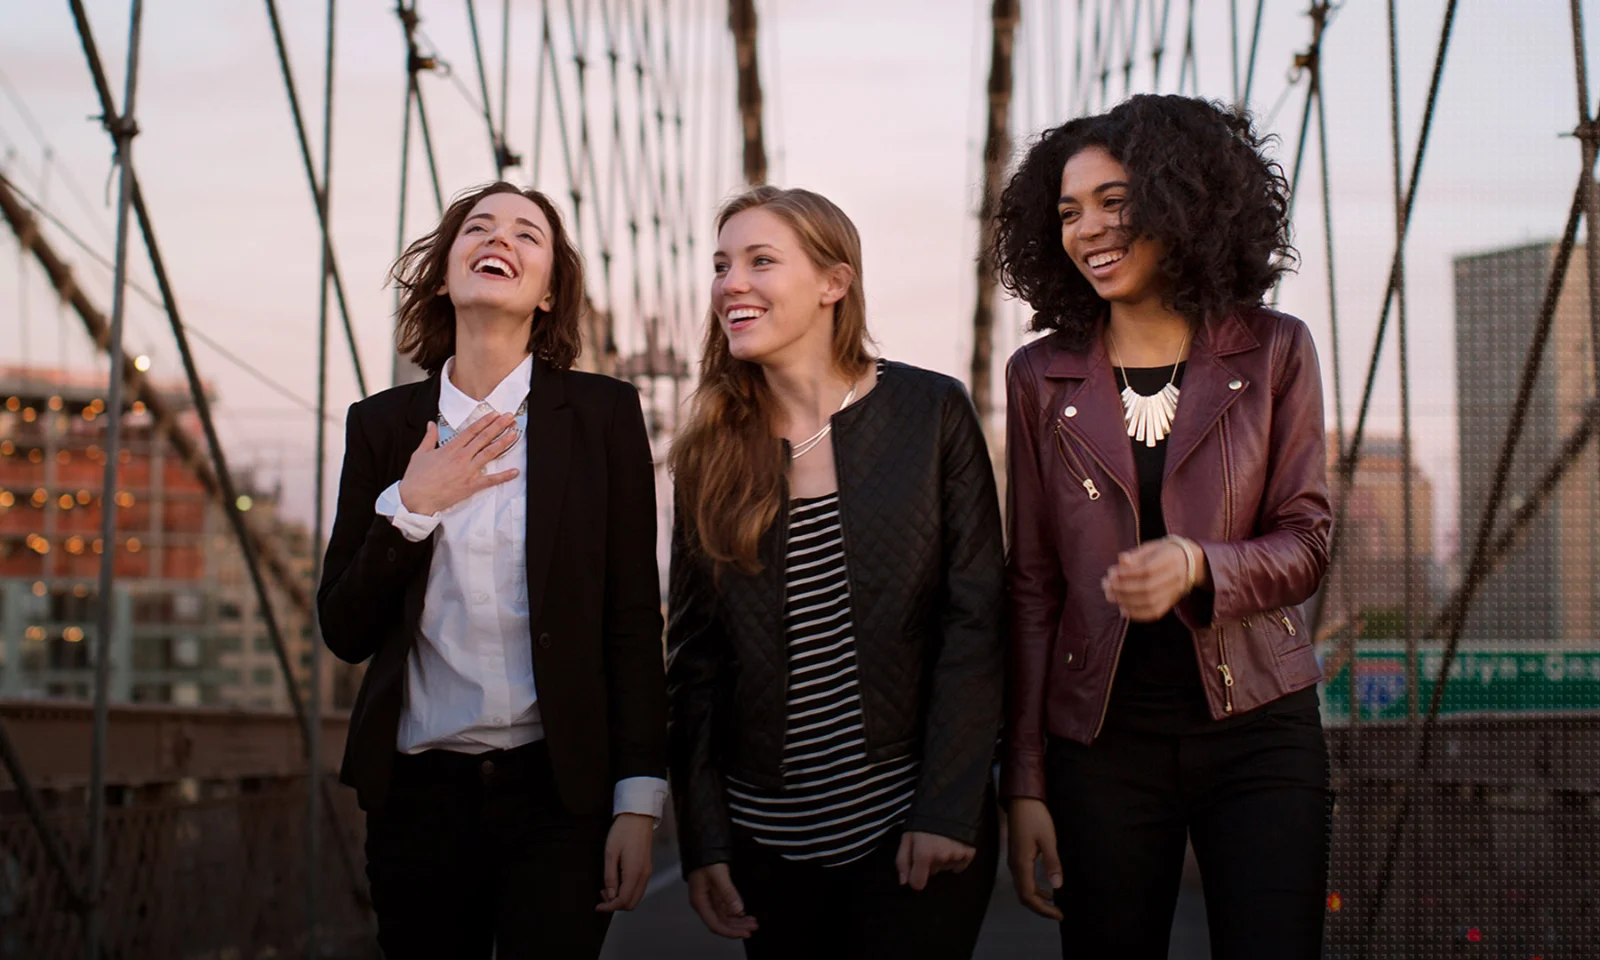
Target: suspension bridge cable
{"points": [[497, 145], [317, 190], [1347, 465], [1489, 550], [314, 773], [218, 478], [123, 129], [415, 63], [34, 128], [1403, 355], [1158, 42], [1255, 42], [1131, 43], [154, 301], [536, 164]]}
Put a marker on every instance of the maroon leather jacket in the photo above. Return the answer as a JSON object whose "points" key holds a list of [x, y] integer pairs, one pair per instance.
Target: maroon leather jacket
{"points": [[1245, 478]]}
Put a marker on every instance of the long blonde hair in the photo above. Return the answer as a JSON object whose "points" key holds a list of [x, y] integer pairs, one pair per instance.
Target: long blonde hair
{"points": [[727, 466]]}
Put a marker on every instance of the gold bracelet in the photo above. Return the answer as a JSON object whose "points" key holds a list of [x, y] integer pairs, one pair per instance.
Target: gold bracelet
{"points": [[1190, 564]]}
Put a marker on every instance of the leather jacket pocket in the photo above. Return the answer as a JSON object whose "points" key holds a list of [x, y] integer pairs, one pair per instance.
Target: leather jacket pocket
{"points": [[1285, 633]]}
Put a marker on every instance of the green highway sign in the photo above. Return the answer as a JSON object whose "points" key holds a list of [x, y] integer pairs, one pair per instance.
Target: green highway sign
{"points": [[1483, 679]]}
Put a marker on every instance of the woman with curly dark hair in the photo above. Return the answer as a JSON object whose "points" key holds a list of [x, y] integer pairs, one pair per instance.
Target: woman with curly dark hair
{"points": [[1168, 512]]}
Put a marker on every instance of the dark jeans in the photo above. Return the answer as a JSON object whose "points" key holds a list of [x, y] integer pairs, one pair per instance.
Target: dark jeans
{"points": [[860, 910], [473, 854], [1254, 802]]}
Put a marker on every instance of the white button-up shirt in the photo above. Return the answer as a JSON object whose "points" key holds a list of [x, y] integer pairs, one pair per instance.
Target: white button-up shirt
{"points": [[469, 680]]}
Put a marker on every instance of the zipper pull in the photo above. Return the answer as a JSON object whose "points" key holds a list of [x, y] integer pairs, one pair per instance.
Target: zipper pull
{"points": [[1227, 688], [1287, 624], [1088, 485], [1227, 674]]}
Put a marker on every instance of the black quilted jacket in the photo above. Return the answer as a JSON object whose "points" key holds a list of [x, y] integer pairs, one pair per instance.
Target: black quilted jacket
{"points": [[923, 548]]}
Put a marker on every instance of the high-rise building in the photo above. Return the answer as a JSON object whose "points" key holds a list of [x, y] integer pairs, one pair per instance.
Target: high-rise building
{"points": [[186, 629], [1548, 587], [1368, 577]]}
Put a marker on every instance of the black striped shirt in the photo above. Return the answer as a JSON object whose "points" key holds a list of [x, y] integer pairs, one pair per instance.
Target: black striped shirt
{"points": [[834, 805]]}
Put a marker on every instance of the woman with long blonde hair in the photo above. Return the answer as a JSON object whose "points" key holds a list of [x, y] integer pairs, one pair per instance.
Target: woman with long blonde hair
{"points": [[834, 623]]}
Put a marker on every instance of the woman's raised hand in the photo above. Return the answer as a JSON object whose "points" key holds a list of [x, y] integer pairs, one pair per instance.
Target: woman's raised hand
{"points": [[1149, 580], [438, 478]]}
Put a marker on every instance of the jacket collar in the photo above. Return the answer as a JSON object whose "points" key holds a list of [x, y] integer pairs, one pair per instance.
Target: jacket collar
{"points": [[549, 459], [546, 391], [1092, 411]]}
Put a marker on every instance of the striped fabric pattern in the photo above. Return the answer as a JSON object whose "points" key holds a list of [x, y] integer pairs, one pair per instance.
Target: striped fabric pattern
{"points": [[834, 804]]}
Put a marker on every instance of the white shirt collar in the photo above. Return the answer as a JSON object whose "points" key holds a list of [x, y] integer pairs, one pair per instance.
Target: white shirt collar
{"points": [[506, 397]]}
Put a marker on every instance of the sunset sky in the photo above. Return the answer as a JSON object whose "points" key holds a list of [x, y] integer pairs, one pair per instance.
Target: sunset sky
{"points": [[876, 103]]}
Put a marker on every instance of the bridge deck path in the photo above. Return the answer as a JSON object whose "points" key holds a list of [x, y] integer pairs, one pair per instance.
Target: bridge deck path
{"points": [[664, 928]]}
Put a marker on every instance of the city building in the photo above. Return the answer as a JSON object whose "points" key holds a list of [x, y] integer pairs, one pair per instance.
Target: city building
{"points": [[1368, 576], [186, 627], [1548, 588]]}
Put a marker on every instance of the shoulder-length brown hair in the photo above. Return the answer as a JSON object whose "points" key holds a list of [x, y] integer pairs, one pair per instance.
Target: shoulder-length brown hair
{"points": [[426, 327], [727, 465]]}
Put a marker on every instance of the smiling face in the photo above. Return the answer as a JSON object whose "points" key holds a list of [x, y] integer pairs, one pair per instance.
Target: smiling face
{"points": [[771, 300], [1093, 205], [501, 258]]}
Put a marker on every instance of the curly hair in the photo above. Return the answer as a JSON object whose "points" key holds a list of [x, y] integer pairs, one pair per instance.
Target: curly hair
{"points": [[1199, 183]]}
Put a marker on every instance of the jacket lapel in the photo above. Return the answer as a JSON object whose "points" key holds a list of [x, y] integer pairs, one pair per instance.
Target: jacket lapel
{"points": [[1209, 386], [422, 407], [549, 452], [1091, 410]]}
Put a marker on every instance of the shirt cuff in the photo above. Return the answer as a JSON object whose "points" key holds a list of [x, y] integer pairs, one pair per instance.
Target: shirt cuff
{"points": [[414, 526], [642, 795]]}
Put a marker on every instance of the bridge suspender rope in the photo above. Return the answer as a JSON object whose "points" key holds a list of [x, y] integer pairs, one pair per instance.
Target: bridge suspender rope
{"points": [[1352, 452], [314, 772], [220, 476], [122, 129], [317, 189]]}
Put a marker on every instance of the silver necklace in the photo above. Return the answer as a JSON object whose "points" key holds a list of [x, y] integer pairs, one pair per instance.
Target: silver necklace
{"points": [[1149, 419], [809, 443], [448, 433]]}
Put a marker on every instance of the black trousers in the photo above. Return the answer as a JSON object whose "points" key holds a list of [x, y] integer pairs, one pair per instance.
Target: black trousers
{"points": [[860, 910], [473, 854], [1254, 802]]}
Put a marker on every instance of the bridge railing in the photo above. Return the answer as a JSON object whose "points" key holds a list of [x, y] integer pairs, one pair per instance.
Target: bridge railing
{"points": [[205, 828]]}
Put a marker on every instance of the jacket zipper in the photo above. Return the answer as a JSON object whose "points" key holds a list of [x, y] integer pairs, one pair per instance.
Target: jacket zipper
{"points": [[1105, 700], [1227, 519], [1078, 473], [1225, 670]]}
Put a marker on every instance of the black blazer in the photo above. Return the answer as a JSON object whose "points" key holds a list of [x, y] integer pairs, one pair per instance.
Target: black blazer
{"points": [[594, 597]]}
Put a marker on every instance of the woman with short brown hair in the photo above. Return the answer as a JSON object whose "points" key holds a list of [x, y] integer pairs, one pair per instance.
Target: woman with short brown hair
{"points": [[493, 555]]}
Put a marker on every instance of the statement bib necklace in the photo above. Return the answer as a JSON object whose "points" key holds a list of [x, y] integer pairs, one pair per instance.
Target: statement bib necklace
{"points": [[809, 443], [1149, 419]]}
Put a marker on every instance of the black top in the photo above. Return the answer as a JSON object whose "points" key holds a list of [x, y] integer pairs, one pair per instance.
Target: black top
{"points": [[927, 602], [835, 804], [1157, 688]]}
